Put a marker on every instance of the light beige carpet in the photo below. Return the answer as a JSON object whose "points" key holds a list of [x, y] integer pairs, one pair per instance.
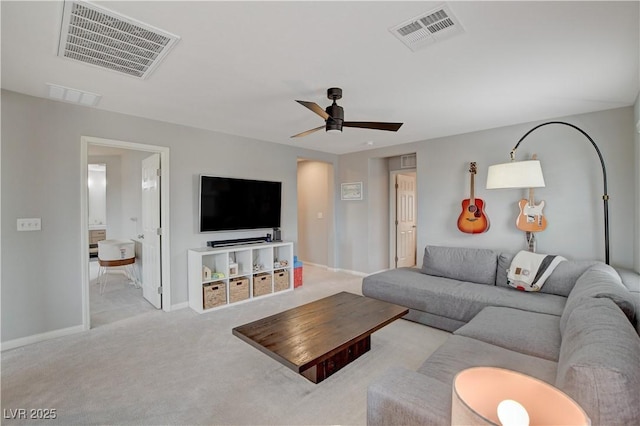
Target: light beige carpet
{"points": [[184, 368], [120, 299]]}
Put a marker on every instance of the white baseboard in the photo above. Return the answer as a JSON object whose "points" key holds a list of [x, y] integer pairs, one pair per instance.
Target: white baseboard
{"points": [[317, 265], [347, 271], [179, 306], [23, 341], [381, 270]]}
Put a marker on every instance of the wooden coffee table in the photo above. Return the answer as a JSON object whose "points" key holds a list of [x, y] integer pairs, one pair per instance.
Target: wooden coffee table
{"points": [[321, 337]]}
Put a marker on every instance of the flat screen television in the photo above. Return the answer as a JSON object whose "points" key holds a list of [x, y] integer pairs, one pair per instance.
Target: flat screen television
{"points": [[228, 204]]}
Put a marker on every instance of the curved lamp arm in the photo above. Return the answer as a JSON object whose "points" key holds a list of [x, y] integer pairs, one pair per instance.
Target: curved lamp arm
{"points": [[605, 196]]}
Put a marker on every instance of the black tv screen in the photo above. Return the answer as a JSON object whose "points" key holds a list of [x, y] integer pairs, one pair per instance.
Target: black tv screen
{"points": [[228, 204]]}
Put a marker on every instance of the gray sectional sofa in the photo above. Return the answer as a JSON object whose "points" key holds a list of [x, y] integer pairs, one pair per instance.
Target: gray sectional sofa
{"points": [[577, 333]]}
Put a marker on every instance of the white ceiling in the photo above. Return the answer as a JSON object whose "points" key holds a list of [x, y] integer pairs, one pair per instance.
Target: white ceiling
{"points": [[239, 66]]}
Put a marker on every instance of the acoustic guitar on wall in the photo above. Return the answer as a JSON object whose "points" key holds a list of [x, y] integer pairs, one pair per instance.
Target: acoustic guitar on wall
{"points": [[473, 219]]}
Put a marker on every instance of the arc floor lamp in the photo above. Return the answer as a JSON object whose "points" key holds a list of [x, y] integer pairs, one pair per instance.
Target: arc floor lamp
{"points": [[528, 174]]}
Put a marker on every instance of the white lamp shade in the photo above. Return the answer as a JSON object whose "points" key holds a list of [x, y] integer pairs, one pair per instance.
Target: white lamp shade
{"points": [[477, 392], [516, 174]]}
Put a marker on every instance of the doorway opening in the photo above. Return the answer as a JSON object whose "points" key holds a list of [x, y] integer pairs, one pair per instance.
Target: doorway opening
{"points": [[402, 211], [127, 204]]}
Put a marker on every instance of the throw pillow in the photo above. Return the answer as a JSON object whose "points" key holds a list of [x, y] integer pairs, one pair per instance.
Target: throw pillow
{"points": [[504, 261], [459, 263]]}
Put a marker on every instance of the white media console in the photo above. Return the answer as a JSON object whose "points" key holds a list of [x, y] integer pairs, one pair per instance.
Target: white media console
{"points": [[222, 276]]}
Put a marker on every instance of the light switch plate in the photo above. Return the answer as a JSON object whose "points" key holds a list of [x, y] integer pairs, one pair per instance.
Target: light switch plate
{"points": [[29, 224]]}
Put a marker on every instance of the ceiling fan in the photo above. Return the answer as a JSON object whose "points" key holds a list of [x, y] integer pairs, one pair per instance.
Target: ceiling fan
{"points": [[334, 117]]}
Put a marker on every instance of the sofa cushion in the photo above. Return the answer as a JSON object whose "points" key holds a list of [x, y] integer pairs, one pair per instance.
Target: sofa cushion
{"points": [[458, 263], [460, 352], [436, 321], [526, 332], [599, 281], [560, 282], [504, 262], [457, 300], [599, 364], [404, 397], [564, 277]]}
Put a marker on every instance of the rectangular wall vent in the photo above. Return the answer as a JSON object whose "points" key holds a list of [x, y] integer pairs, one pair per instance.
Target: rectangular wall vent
{"points": [[408, 161], [421, 31], [76, 96], [102, 38]]}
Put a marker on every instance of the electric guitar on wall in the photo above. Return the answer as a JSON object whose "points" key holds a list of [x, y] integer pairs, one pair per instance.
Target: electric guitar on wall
{"points": [[531, 218], [473, 219]]}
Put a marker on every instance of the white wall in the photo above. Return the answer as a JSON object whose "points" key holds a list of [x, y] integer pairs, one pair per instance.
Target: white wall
{"points": [[377, 199], [352, 217], [637, 189], [113, 192], [573, 192], [315, 198], [124, 191], [97, 197], [41, 274], [131, 193]]}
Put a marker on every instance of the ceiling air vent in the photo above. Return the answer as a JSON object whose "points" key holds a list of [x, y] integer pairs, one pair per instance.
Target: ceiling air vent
{"points": [[105, 39], [435, 25]]}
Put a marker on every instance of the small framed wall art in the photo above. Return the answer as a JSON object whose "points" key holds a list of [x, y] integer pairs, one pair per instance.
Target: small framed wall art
{"points": [[351, 191]]}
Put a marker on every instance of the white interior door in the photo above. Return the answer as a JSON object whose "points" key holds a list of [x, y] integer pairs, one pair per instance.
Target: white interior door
{"points": [[405, 220], [151, 231]]}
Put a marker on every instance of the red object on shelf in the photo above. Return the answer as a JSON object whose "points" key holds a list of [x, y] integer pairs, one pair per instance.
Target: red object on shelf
{"points": [[297, 277]]}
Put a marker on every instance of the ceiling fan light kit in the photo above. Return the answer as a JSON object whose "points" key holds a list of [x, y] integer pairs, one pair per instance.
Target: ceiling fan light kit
{"points": [[334, 117], [335, 111]]}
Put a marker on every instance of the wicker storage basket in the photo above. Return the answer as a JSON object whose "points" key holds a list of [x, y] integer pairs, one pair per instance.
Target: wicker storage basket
{"points": [[214, 294], [238, 289], [281, 280], [261, 284]]}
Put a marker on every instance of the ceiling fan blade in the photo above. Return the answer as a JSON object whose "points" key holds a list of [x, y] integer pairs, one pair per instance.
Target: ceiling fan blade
{"points": [[299, 135], [392, 127], [315, 108]]}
